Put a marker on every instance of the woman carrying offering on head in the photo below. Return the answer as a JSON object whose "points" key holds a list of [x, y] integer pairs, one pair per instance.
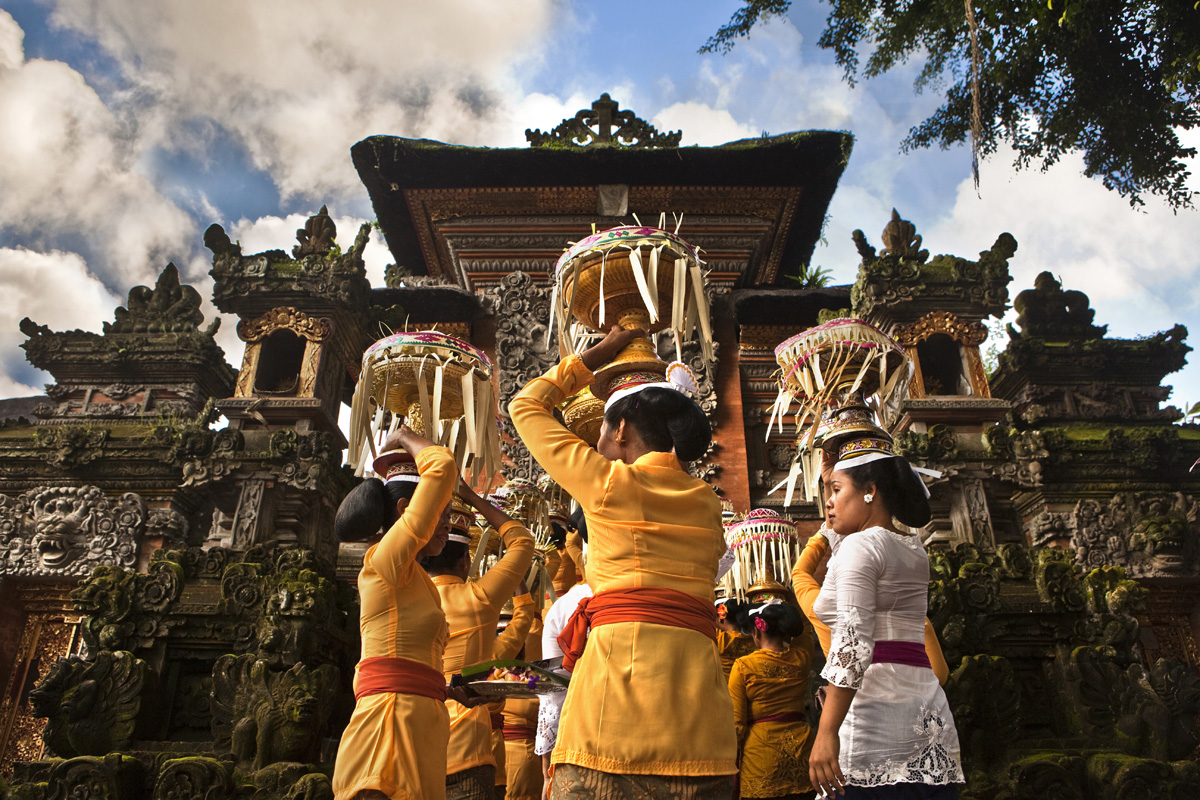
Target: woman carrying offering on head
{"points": [[395, 744], [647, 712], [886, 729], [769, 688]]}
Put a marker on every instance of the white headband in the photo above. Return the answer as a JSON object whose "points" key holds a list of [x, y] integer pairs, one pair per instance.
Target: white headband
{"points": [[404, 479], [678, 377], [462, 538], [867, 458]]}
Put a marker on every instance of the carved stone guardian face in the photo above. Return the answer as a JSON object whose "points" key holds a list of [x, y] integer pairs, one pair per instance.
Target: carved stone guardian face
{"points": [[68, 531]]}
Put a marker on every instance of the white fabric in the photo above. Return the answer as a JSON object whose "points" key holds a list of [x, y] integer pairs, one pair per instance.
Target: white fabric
{"points": [[550, 705], [899, 728], [678, 377], [867, 458]]}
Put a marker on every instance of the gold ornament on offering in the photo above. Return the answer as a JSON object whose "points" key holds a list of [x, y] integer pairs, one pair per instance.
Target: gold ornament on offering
{"points": [[523, 501], [441, 386], [559, 501], [583, 414], [631, 277], [485, 547], [834, 373], [765, 547]]}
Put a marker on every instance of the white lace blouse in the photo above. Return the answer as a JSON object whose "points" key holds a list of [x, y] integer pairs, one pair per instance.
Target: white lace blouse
{"points": [[899, 728], [550, 705]]}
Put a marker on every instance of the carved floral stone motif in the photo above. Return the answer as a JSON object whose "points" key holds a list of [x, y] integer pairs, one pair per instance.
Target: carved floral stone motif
{"points": [[604, 124], [170, 307], [1151, 535], [523, 351], [316, 237], [68, 531], [966, 333], [1048, 312]]}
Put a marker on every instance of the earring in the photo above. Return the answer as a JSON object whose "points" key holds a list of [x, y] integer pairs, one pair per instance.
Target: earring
{"points": [[867, 498]]}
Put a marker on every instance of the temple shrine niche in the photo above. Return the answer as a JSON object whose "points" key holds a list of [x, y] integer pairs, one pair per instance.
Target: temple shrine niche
{"points": [[184, 568]]}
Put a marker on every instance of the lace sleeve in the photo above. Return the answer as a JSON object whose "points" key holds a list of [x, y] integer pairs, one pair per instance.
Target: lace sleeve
{"points": [[549, 708], [856, 571]]}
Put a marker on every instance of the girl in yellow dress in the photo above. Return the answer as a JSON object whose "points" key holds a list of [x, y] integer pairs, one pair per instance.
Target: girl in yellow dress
{"points": [[769, 688], [395, 744], [648, 714]]}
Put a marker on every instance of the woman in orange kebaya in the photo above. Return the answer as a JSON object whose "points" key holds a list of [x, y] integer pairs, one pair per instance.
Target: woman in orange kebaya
{"points": [[648, 713], [769, 688], [395, 744]]}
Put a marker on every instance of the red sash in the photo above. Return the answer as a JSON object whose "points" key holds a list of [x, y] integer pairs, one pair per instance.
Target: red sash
{"points": [[518, 733], [399, 675], [646, 604]]}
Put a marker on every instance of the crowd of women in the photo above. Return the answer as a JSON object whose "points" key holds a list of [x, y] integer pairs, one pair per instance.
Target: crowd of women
{"points": [[671, 695]]}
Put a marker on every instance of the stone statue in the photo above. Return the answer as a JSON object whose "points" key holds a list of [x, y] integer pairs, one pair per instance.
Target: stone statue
{"points": [[317, 235], [264, 717], [1046, 311], [170, 307], [90, 706]]}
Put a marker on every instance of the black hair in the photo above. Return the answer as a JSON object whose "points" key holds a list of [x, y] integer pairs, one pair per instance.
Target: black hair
{"points": [[445, 561], [897, 486], [579, 523], [559, 536], [666, 420], [781, 619], [370, 508], [736, 612]]}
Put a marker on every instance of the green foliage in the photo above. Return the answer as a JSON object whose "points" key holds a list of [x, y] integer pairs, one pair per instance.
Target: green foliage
{"points": [[742, 21], [811, 277], [1116, 80]]}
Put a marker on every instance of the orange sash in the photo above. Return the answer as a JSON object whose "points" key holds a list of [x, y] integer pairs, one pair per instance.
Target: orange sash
{"points": [[645, 604], [399, 675]]}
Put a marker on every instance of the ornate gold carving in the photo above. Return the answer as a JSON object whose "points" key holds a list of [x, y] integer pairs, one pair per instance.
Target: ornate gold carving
{"points": [[313, 329], [51, 632], [965, 333], [765, 337]]}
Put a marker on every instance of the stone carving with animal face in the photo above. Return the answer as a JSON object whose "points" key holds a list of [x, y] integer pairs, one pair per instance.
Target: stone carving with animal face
{"points": [[90, 706], [265, 717], [68, 531]]}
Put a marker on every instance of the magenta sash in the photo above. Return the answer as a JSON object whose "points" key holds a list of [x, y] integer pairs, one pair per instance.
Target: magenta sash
{"points": [[893, 652]]}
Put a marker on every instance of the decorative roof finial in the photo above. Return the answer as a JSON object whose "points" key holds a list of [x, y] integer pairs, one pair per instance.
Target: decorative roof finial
{"points": [[604, 124]]}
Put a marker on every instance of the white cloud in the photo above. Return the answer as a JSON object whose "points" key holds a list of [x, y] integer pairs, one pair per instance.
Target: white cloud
{"points": [[53, 289], [69, 170], [702, 124], [299, 82], [1139, 268]]}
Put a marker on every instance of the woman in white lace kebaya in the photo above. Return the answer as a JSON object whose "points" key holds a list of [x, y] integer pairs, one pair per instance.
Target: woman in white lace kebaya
{"points": [[886, 730]]}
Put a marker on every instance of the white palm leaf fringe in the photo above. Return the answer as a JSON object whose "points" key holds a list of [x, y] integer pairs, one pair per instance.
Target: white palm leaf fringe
{"points": [[474, 438], [690, 312], [761, 558], [816, 383]]}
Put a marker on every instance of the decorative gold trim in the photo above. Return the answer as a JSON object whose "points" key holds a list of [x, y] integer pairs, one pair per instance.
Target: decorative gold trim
{"points": [[51, 632], [315, 329], [965, 333]]}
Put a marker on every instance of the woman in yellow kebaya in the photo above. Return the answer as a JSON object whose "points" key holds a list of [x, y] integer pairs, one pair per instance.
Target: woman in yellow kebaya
{"points": [[395, 744], [647, 714]]}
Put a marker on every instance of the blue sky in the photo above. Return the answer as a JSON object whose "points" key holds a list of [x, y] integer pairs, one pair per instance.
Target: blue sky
{"points": [[129, 127]]}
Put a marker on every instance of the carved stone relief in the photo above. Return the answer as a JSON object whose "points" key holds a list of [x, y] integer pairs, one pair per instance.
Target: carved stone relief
{"points": [[522, 311], [68, 531], [1151, 535]]}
